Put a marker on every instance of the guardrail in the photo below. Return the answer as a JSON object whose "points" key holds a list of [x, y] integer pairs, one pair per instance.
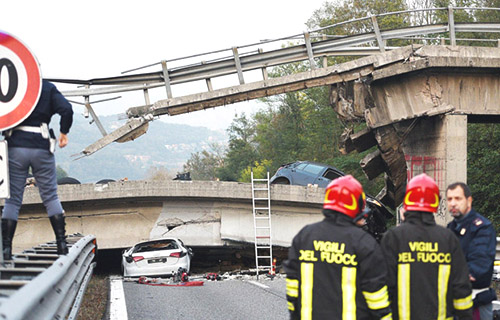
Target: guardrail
{"points": [[368, 37], [39, 284], [358, 37]]}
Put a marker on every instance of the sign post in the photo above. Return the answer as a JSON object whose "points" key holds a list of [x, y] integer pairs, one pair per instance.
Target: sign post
{"points": [[20, 88]]}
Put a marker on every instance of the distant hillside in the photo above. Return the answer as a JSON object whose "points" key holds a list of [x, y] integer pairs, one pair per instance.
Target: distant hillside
{"points": [[164, 145]]}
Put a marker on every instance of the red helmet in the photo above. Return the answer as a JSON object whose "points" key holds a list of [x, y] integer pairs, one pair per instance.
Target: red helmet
{"points": [[345, 195], [422, 194]]}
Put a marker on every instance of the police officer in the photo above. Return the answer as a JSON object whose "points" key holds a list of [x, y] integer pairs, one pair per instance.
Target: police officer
{"points": [[31, 145], [478, 240], [428, 275], [335, 270]]}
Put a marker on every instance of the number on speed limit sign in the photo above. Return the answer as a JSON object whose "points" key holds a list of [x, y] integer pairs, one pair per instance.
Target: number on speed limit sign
{"points": [[20, 81]]}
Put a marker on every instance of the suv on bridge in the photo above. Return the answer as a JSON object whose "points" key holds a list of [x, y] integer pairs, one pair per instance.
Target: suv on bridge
{"points": [[303, 173]]}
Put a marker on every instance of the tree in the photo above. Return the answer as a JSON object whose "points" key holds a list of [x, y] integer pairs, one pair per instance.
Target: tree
{"points": [[483, 161], [159, 174], [302, 125], [333, 13], [242, 150], [259, 169], [204, 165]]}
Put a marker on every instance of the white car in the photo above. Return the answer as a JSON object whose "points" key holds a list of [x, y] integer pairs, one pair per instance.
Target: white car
{"points": [[160, 257]]}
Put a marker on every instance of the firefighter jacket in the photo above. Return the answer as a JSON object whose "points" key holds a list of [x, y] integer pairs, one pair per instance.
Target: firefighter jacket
{"points": [[478, 241], [428, 274], [336, 270]]}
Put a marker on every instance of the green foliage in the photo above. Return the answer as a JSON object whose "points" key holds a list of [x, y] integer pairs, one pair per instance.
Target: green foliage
{"points": [[483, 161], [335, 13], [159, 174], [204, 165], [60, 173], [260, 170], [242, 149]]}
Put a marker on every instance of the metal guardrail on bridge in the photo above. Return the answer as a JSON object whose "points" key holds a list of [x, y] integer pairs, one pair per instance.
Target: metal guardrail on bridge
{"points": [[39, 284], [369, 39], [358, 37]]}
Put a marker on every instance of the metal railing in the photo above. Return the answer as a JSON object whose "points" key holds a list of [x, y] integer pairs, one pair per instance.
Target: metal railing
{"points": [[39, 284], [310, 46], [358, 37]]}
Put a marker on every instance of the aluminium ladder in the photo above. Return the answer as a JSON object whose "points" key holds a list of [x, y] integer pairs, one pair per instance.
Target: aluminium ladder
{"points": [[261, 203]]}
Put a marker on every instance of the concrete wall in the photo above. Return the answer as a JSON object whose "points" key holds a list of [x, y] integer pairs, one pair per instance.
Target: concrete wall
{"points": [[437, 146], [201, 213]]}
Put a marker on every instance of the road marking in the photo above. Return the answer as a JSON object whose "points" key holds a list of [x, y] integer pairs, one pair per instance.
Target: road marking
{"points": [[258, 284], [117, 305]]}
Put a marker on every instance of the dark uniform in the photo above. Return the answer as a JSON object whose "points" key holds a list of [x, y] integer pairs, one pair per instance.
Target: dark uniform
{"points": [[478, 241], [31, 150], [31, 145], [336, 270], [428, 275]]}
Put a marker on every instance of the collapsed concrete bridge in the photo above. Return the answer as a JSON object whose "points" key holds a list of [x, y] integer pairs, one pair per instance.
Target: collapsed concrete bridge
{"points": [[201, 213], [415, 100]]}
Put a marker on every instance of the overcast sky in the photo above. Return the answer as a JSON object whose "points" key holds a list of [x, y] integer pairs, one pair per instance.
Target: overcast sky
{"points": [[91, 39]]}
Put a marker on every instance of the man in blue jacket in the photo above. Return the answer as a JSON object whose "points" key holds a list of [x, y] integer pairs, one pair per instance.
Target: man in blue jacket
{"points": [[31, 145], [478, 241]]}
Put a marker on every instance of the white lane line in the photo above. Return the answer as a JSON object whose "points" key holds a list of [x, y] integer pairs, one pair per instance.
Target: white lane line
{"points": [[258, 284], [117, 305]]}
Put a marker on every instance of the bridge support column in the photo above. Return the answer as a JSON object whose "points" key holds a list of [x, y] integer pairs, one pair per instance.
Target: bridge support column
{"points": [[438, 146]]}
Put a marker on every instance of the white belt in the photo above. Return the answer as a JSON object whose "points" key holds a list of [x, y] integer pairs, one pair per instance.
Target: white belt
{"points": [[43, 129], [475, 292], [29, 129]]}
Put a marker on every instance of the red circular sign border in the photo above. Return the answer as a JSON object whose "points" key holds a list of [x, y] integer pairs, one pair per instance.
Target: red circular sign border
{"points": [[34, 87]]}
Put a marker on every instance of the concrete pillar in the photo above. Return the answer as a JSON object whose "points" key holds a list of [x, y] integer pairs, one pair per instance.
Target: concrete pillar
{"points": [[437, 146]]}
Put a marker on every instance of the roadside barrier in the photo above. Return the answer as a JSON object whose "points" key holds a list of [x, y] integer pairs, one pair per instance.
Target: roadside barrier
{"points": [[39, 284]]}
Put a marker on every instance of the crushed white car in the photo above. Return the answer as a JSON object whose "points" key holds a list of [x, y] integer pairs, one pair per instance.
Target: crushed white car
{"points": [[160, 257]]}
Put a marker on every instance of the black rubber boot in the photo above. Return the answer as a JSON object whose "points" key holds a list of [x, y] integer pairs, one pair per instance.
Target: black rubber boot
{"points": [[8, 230], [58, 224]]}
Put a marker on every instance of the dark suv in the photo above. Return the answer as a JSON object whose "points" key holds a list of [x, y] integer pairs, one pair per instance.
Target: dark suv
{"points": [[305, 173]]}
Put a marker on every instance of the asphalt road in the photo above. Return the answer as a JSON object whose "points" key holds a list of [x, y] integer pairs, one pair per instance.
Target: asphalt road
{"points": [[244, 299]]}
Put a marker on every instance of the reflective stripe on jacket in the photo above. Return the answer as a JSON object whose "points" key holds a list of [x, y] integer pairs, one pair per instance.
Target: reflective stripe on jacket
{"points": [[428, 274], [336, 270]]}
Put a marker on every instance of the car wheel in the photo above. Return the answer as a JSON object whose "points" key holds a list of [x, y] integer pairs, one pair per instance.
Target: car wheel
{"points": [[281, 181]]}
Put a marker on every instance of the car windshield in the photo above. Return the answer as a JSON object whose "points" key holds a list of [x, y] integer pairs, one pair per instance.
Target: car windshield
{"points": [[156, 246]]}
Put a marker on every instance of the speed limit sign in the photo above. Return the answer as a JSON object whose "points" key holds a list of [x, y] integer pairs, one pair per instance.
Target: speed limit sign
{"points": [[20, 81]]}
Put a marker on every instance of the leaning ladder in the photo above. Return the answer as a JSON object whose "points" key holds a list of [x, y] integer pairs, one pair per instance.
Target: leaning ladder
{"points": [[261, 203]]}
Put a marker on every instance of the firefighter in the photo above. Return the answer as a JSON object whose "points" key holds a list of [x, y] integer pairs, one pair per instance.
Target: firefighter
{"points": [[335, 270], [428, 274]]}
